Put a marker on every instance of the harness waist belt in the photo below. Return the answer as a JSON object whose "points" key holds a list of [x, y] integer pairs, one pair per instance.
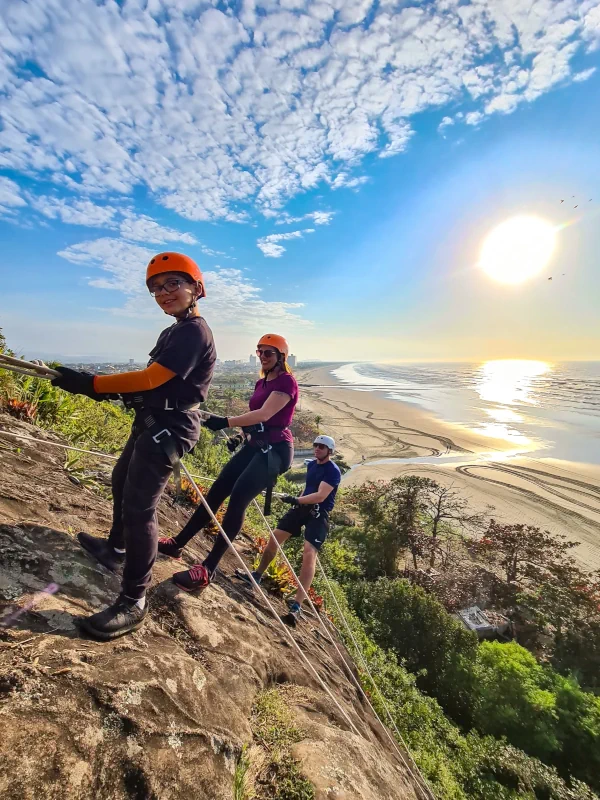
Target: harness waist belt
{"points": [[137, 401]]}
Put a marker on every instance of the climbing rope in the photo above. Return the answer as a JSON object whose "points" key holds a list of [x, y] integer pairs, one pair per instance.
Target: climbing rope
{"points": [[262, 593], [80, 450], [418, 777]]}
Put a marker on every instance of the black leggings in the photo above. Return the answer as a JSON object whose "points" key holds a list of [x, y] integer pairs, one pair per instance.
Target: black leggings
{"points": [[242, 479]]}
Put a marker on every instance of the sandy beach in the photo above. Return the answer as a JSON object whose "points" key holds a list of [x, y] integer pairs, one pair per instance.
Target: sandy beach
{"points": [[560, 496]]}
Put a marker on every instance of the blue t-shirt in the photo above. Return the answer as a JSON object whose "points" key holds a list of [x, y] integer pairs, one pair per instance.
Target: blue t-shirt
{"points": [[328, 472]]}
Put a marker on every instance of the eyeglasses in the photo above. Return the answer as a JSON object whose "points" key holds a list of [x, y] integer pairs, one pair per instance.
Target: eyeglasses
{"points": [[267, 353], [169, 286]]}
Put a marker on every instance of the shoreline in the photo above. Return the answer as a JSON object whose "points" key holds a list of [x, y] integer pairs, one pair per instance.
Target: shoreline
{"points": [[499, 480]]}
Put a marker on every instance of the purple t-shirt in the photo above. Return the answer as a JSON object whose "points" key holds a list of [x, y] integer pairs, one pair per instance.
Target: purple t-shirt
{"points": [[285, 383]]}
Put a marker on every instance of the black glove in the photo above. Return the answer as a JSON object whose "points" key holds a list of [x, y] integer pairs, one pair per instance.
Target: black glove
{"points": [[216, 423], [289, 498], [234, 442], [76, 382]]}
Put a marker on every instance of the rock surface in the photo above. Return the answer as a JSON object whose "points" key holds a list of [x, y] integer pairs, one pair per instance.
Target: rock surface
{"points": [[163, 713]]}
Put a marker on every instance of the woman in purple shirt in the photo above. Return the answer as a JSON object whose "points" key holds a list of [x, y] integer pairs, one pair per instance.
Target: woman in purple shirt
{"points": [[267, 452]]}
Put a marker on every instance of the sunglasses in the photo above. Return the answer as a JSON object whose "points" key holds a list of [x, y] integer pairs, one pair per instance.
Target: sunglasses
{"points": [[170, 286], [267, 353], [320, 446]]}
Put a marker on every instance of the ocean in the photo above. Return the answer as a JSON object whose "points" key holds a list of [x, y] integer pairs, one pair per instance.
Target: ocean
{"points": [[545, 409]]}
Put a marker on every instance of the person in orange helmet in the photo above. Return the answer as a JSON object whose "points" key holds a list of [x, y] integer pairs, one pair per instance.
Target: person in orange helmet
{"points": [[165, 397], [267, 452]]}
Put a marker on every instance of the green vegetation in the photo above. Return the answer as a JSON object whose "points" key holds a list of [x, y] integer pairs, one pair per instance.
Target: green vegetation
{"points": [[274, 730], [240, 777], [496, 720]]}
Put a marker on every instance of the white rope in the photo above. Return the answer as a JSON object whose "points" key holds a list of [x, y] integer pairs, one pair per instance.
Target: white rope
{"points": [[371, 678], [354, 678], [286, 630], [57, 444], [80, 450], [330, 638]]}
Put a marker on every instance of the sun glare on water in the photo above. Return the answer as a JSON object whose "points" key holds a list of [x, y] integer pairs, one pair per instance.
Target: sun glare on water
{"points": [[518, 249]]}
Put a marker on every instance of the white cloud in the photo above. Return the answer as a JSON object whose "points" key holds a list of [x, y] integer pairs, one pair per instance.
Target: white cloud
{"points": [[474, 117], [318, 217], [10, 197], [212, 111], [584, 74], [141, 228], [343, 181], [270, 248], [321, 217], [135, 227], [445, 123], [232, 299], [74, 212], [207, 251]]}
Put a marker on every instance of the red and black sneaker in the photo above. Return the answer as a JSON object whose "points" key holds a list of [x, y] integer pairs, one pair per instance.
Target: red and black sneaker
{"points": [[169, 547], [194, 579]]}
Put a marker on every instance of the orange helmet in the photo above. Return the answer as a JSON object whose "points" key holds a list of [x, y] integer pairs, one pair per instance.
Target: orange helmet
{"points": [[276, 341], [174, 262]]}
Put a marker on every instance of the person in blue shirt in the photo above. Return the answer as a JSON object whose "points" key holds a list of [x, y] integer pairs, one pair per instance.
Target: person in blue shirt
{"points": [[309, 511]]}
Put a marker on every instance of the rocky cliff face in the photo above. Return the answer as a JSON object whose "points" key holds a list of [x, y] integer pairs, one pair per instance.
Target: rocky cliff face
{"points": [[163, 713]]}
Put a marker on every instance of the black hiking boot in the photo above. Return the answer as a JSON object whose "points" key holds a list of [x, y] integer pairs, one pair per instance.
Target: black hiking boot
{"points": [[124, 616], [169, 547], [102, 551]]}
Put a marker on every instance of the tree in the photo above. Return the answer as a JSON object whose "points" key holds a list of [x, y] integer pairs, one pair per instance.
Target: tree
{"points": [[391, 514], [446, 510], [514, 698], [524, 552], [577, 652], [430, 642], [545, 714]]}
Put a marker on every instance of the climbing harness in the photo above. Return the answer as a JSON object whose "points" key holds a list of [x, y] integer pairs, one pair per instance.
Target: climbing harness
{"points": [[160, 433], [254, 438]]}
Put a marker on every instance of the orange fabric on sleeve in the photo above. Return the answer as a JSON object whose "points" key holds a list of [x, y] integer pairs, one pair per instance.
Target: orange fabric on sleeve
{"points": [[141, 381]]}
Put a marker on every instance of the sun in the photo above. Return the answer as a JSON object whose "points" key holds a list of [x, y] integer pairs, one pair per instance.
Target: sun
{"points": [[518, 249]]}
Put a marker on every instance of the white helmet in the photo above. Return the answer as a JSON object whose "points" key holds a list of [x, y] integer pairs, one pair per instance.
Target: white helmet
{"points": [[329, 441]]}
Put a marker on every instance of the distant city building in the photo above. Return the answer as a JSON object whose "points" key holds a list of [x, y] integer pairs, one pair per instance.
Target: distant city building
{"points": [[252, 360], [131, 364], [292, 360]]}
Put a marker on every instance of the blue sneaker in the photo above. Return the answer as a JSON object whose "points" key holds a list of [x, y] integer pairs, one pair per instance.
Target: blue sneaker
{"points": [[293, 615], [242, 575]]}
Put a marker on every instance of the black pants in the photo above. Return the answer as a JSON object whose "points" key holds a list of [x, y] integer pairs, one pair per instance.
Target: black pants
{"points": [[242, 479], [138, 481]]}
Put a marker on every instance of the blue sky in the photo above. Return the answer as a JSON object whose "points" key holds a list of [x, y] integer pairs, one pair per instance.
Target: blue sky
{"points": [[333, 166]]}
